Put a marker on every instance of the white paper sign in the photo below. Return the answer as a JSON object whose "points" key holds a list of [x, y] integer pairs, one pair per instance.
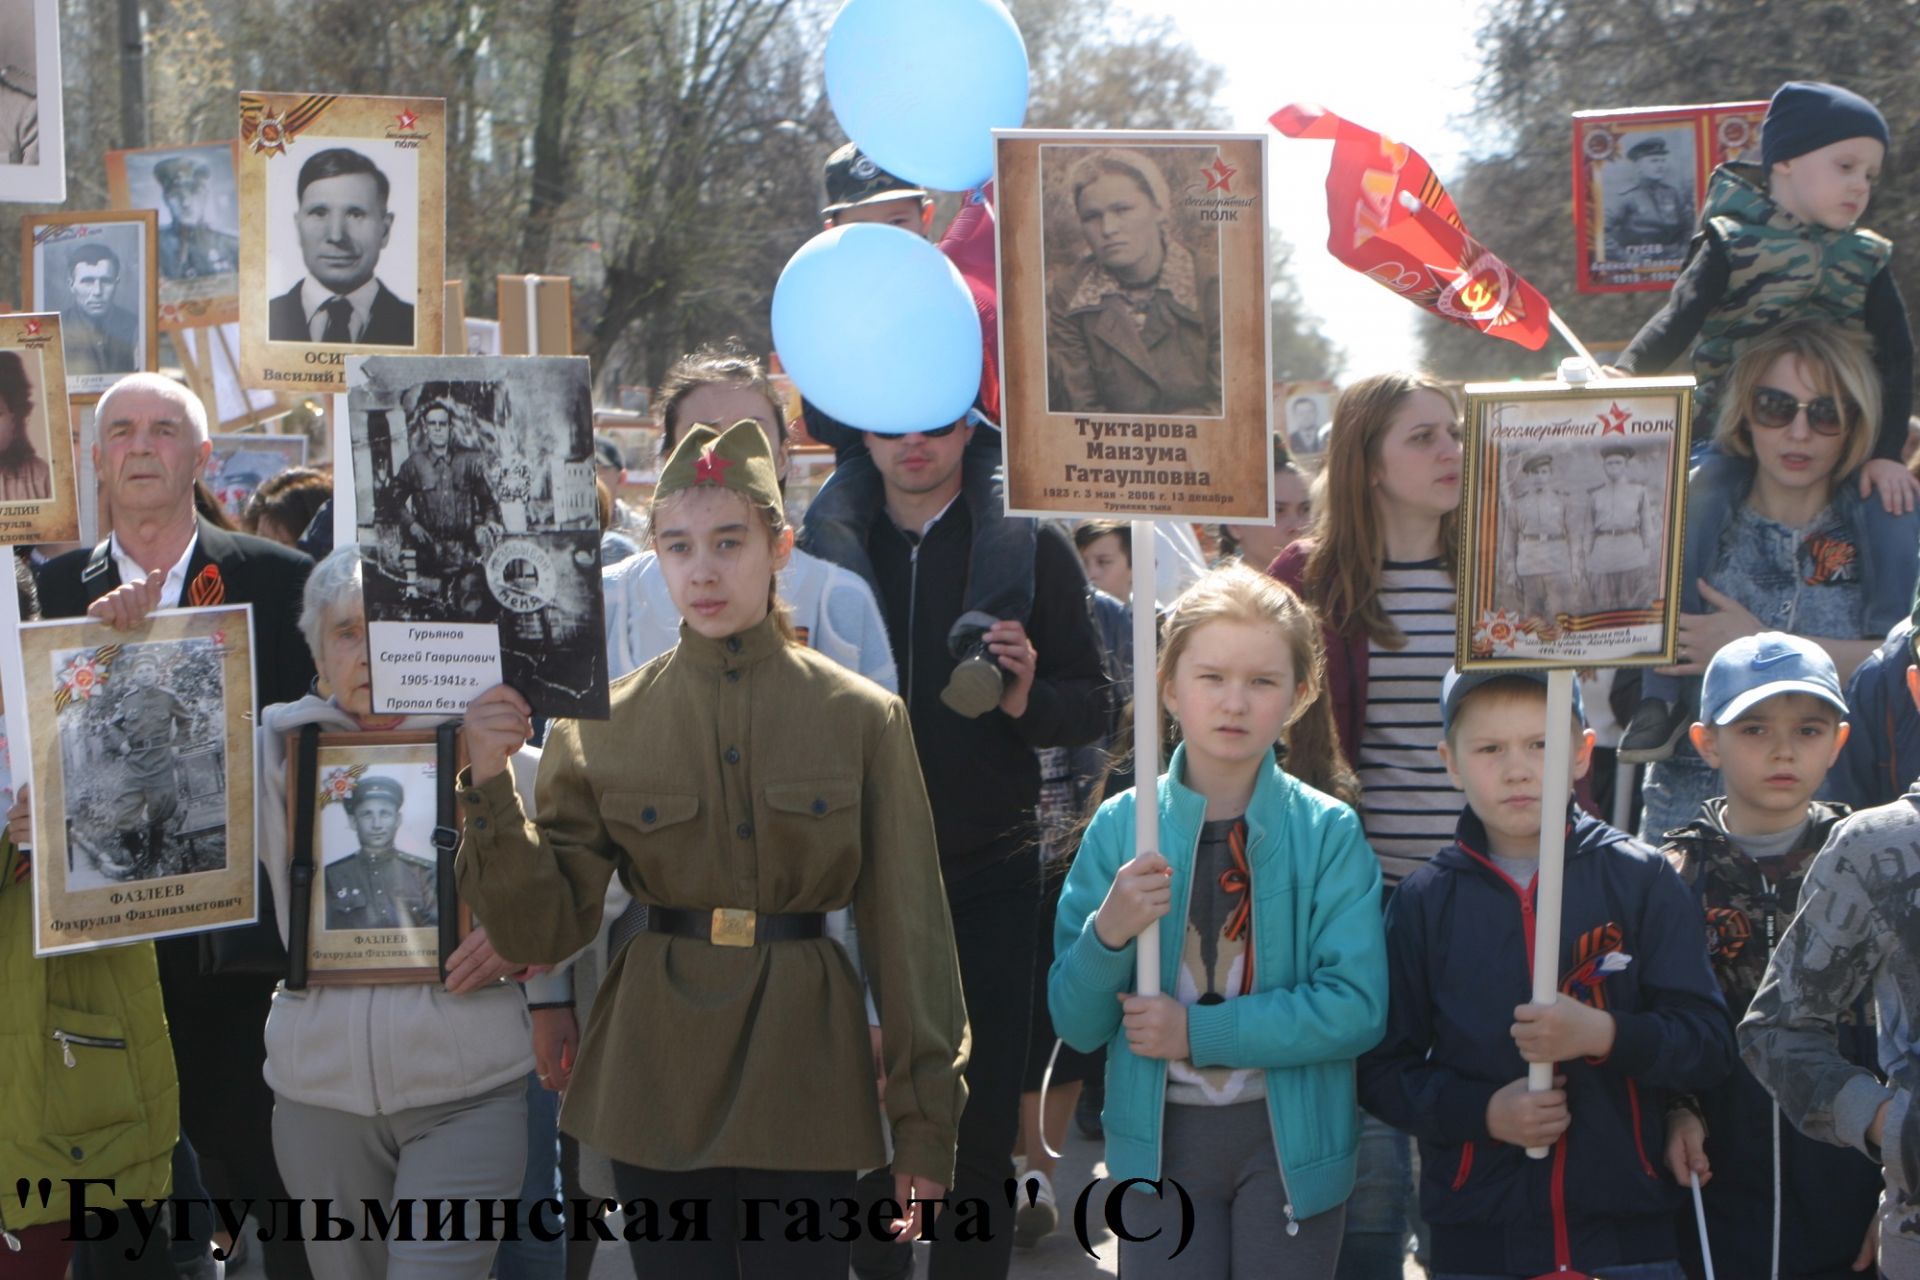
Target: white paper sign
{"points": [[432, 668]]}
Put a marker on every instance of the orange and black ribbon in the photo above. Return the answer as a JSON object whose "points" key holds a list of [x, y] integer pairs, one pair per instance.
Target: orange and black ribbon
{"points": [[207, 589], [1238, 878]]}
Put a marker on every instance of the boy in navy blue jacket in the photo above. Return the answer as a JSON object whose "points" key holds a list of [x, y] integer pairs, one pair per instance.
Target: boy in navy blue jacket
{"points": [[1639, 1019]]}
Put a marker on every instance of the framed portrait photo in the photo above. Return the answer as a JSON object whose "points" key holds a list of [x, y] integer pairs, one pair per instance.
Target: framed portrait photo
{"points": [[38, 484], [195, 194], [473, 483], [33, 149], [97, 270], [1134, 360], [1640, 180], [1571, 528], [342, 234], [382, 906], [142, 761]]}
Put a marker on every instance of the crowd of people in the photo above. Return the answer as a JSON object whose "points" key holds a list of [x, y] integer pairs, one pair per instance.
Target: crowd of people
{"points": [[826, 934]]}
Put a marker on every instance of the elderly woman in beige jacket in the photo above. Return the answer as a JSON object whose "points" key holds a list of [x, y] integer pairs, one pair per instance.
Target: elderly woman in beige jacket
{"points": [[396, 1093]]}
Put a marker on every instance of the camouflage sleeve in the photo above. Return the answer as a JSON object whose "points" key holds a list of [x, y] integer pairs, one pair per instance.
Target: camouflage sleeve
{"points": [[1663, 339], [1826, 958]]}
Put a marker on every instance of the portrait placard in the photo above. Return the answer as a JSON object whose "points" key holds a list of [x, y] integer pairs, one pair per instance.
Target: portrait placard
{"points": [[342, 234], [380, 884], [241, 463], [1304, 411], [1640, 180], [33, 146], [473, 484], [143, 776], [38, 486], [1571, 529], [1134, 354], [195, 194], [97, 270]]}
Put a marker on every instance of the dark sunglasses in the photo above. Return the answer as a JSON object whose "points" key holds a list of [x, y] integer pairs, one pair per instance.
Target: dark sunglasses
{"points": [[1774, 408]]}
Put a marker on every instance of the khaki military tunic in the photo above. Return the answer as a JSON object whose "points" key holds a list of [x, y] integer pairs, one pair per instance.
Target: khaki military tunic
{"points": [[147, 726], [746, 773], [391, 890], [1622, 530]]}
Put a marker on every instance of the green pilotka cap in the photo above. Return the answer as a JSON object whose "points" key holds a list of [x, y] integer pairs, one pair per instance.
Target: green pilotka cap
{"points": [[737, 459]]}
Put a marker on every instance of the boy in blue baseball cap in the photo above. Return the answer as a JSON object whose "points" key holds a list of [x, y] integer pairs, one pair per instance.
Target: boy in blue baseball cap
{"points": [[1772, 722]]}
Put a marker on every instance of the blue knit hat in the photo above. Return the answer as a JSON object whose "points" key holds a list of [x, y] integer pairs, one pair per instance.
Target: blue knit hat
{"points": [[1806, 115]]}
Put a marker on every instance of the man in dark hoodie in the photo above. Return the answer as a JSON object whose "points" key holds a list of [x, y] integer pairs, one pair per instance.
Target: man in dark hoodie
{"points": [[1771, 724], [1638, 1019]]}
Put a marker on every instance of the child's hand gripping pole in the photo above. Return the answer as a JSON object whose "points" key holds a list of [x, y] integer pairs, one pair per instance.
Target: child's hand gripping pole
{"points": [[1146, 742], [1555, 788]]}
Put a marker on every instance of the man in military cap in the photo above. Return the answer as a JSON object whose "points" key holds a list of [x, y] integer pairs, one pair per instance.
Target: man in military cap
{"points": [[1624, 530], [379, 887], [1540, 533], [445, 500], [99, 336], [1652, 220], [19, 117], [145, 730], [189, 248]]}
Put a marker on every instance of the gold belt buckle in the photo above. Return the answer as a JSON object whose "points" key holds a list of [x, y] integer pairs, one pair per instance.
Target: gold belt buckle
{"points": [[732, 927]]}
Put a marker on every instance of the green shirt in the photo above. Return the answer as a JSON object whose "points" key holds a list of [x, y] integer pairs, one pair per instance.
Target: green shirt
{"points": [[746, 772]]}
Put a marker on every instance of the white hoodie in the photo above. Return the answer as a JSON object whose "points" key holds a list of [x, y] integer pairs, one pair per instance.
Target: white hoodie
{"points": [[377, 1049]]}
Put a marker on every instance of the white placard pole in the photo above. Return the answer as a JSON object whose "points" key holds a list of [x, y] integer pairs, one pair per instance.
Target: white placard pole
{"points": [[1146, 743], [532, 285], [1555, 791], [345, 523]]}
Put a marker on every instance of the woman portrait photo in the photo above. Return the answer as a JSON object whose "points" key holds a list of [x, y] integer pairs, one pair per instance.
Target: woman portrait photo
{"points": [[24, 474], [1133, 307]]}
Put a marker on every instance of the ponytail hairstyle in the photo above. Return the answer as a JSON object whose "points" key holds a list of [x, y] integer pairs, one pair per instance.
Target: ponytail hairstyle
{"points": [[1237, 593], [1343, 571]]}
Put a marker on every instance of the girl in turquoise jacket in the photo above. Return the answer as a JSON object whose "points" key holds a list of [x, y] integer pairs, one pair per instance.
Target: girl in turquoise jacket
{"points": [[1237, 1085]]}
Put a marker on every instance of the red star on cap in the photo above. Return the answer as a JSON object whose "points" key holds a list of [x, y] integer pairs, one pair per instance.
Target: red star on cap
{"points": [[711, 468], [407, 119], [1220, 175], [1614, 421]]}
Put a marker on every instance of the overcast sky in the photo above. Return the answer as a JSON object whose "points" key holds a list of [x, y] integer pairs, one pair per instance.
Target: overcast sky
{"points": [[1404, 67]]}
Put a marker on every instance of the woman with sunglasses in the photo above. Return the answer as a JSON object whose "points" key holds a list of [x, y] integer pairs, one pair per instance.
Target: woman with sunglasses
{"points": [[1784, 547]]}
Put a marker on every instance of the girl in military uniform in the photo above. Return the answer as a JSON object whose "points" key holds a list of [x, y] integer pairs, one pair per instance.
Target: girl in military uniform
{"points": [[743, 787]]}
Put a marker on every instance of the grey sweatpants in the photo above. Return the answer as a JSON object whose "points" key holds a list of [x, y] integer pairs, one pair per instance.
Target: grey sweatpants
{"points": [[472, 1149], [1223, 1157]]}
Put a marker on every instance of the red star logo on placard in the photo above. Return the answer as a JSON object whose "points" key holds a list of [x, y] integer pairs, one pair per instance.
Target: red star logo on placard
{"points": [[1220, 175], [711, 468], [33, 327], [1614, 421], [407, 119]]}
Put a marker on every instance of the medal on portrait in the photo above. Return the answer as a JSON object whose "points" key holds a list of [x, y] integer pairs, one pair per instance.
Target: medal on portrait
{"points": [[342, 234]]}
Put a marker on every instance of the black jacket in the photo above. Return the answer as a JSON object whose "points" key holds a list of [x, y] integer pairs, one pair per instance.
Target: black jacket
{"points": [[389, 320], [982, 776], [254, 571], [1459, 952], [1828, 1194]]}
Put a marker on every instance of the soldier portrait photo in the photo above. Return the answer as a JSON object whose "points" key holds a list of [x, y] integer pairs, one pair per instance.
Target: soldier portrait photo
{"points": [[1648, 197], [194, 192], [1133, 282], [142, 757], [342, 237], [19, 91], [32, 145], [1623, 532], [381, 873], [1542, 540], [97, 271], [476, 501]]}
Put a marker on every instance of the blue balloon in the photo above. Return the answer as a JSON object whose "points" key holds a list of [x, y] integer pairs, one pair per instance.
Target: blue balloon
{"points": [[920, 85], [875, 326]]}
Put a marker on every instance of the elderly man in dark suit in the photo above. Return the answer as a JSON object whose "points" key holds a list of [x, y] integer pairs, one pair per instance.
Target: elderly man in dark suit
{"points": [[151, 447], [344, 224]]}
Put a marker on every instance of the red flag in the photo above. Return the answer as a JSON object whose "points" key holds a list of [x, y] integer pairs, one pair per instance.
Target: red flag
{"points": [[1388, 217]]}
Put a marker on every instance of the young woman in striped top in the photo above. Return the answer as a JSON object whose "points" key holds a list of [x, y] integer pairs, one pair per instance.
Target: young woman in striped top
{"points": [[1379, 569]]}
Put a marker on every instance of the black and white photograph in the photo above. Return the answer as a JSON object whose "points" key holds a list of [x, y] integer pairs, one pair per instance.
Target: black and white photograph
{"points": [[1647, 195], [1572, 505], [195, 193], [375, 913], [1133, 281], [32, 140], [143, 796], [26, 477], [474, 481], [343, 237], [98, 271], [241, 463], [1304, 410]]}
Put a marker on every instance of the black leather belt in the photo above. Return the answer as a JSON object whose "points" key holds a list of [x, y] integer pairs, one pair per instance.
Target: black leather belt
{"points": [[735, 926]]}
